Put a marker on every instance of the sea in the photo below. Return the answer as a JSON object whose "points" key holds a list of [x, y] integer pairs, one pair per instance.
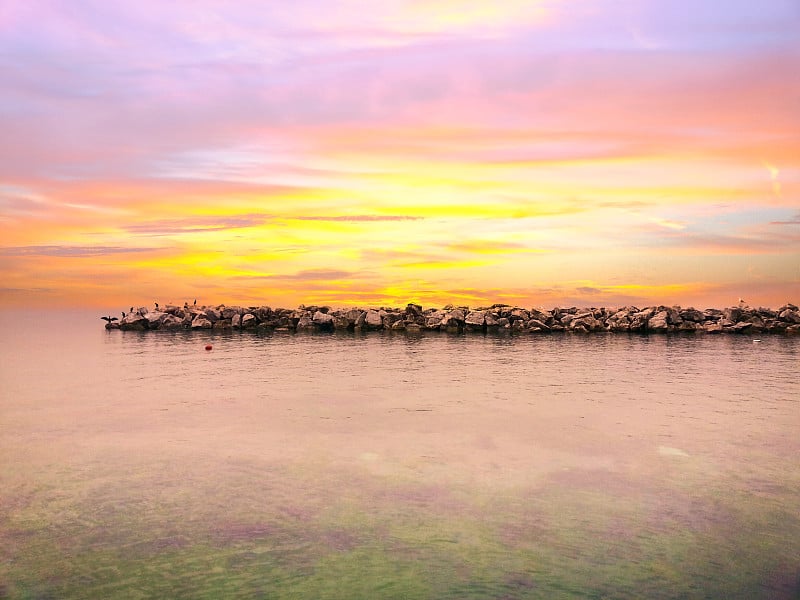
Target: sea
{"points": [[393, 465]]}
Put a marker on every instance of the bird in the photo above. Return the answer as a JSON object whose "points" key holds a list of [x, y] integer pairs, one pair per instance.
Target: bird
{"points": [[131, 309], [109, 319], [195, 301], [156, 303], [123, 314]]}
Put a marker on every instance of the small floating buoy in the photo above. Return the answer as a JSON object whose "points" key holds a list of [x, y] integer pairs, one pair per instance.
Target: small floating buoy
{"points": [[756, 341], [208, 346]]}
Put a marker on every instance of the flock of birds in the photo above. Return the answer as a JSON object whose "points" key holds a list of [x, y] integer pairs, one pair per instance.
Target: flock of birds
{"points": [[109, 319]]}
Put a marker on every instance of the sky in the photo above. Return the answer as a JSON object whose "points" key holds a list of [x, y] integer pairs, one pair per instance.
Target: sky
{"points": [[341, 152]]}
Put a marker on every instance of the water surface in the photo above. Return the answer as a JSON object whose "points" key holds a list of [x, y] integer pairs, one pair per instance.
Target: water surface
{"points": [[138, 465]]}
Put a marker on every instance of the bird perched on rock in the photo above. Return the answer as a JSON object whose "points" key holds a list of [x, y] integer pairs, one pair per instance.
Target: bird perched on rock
{"points": [[123, 314], [156, 303], [109, 319]]}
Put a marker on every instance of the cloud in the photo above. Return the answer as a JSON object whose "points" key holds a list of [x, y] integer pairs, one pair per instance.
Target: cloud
{"points": [[795, 220], [305, 275], [358, 218], [490, 247], [199, 224], [72, 251]]}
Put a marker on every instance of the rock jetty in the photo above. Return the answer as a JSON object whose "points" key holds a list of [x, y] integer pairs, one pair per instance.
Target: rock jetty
{"points": [[458, 319]]}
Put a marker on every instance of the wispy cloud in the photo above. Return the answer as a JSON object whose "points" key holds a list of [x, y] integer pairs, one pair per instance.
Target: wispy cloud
{"points": [[491, 247], [304, 275], [357, 218], [199, 224], [795, 220], [73, 251]]}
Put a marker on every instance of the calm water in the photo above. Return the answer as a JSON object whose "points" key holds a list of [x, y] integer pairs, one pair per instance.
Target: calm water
{"points": [[392, 466]]}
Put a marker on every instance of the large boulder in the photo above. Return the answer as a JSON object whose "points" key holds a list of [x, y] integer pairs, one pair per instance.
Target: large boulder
{"points": [[228, 312], [201, 322], [133, 322], [790, 316], [172, 322], [355, 317], [373, 320], [658, 323], [155, 319], [475, 320], [323, 320], [305, 323]]}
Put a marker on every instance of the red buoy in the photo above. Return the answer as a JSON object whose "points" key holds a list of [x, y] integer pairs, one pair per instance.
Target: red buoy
{"points": [[208, 346]]}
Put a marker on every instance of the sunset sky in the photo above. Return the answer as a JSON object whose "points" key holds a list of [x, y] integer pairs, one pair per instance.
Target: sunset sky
{"points": [[537, 153]]}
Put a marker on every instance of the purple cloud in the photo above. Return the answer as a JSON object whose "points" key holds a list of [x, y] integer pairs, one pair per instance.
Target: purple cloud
{"points": [[71, 251]]}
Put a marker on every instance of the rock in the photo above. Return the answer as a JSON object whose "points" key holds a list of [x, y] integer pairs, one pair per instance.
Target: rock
{"points": [[790, 316], [133, 322], [496, 318], [201, 322], [172, 322], [341, 322], [355, 317], [304, 323], [323, 321], [658, 322], [414, 310], [155, 319], [693, 315], [373, 320], [733, 314], [229, 312], [475, 320]]}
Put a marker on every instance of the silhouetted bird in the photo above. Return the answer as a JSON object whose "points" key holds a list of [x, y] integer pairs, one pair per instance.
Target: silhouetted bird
{"points": [[131, 309], [195, 301], [156, 303], [123, 314], [109, 319]]}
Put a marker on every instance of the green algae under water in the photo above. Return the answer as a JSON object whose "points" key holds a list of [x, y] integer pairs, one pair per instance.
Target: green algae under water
{"points": [[278, 468], [250, 535]]}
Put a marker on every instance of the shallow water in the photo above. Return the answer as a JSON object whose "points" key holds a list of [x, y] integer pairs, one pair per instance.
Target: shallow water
{"points": [[138, 465]]}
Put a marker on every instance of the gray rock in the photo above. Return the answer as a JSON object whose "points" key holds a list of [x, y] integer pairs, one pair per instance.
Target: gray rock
{"points": [[133, 322], [475, 320], [305, 323], [201, 322], [373, 320], [323, 321], [790, 316], [228, 312], [658, 322], [172, 322], [248, 320]]}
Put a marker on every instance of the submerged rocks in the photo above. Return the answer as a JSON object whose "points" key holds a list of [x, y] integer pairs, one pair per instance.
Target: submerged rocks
{"points": [[497, 318]]}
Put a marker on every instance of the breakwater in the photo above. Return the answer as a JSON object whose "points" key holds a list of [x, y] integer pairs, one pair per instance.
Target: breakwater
{"points": [[458, 319]]}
